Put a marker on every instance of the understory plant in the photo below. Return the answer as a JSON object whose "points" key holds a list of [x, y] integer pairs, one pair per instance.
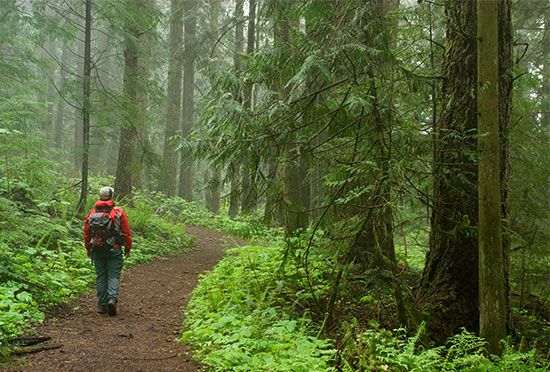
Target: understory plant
{"points": [[42, 258], [237, 318]]}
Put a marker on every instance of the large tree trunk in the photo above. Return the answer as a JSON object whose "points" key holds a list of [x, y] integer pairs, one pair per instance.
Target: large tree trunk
{"points": [[86, 106], [128, 133], [493, 310], [294, 213], [505, 64], [169, 166], [449, 284], [186, 168]]}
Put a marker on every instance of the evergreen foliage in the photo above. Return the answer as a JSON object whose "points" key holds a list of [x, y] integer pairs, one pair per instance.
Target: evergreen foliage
{"points": [[348, 128]]}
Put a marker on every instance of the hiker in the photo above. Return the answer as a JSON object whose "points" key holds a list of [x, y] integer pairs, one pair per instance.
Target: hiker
{"points": [[106, 229]]}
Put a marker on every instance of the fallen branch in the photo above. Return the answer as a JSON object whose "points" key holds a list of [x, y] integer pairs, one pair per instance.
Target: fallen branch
{"points": [[28, 341], [158, 358], [20, 350]]}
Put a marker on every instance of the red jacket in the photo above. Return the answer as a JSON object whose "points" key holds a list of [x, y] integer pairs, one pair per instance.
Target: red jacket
{"points": [[120, 216]]}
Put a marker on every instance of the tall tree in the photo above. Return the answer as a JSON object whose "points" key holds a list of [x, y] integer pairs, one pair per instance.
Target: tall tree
{"points": [[450, 281], [135, 25], [214, 181], [374, 244], [234, 167], [186, 169], [250, 162], [449, 284], [492, 284], [294, 214], [77, 145], [169, 165], [60, 112], [86, 105]]}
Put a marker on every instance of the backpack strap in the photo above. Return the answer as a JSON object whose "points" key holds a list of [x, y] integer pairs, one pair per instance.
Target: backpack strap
{"points": [[104, 209]]}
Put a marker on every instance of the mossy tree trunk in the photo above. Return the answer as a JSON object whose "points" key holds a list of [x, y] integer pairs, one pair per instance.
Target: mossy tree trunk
{"points": [[493, 28], [448, 289], [169, 166]]}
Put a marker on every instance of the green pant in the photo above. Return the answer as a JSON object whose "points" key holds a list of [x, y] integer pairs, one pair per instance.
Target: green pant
{"points": [[108, 265]]}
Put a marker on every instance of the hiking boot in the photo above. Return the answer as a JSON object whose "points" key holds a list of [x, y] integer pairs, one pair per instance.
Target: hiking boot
{"points": [[111, 307], [102, 309]]}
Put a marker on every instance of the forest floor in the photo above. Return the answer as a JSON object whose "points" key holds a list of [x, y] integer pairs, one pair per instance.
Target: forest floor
{"points": [[143, 336]]}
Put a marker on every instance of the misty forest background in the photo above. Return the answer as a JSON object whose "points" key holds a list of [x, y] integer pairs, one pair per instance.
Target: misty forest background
{"points": [[388, 160]]}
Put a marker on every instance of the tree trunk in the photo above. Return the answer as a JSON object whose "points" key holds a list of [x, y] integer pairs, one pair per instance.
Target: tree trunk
{"points": [[505, 64], [215, 181], [60, 114], [51, 48], [128, 133], [169, 165], [144, 159], [234, 168], [492, 284], [77, 148], [449, 285], [186, 168], [249, 166], [294, 214], [272, 192], [545, 104], [86, 106]]}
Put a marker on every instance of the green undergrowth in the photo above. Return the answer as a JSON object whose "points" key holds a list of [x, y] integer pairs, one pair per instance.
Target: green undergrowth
{"points": [[239, 318], [383, 350], [189, 213], [256, 311], [42, 258]]}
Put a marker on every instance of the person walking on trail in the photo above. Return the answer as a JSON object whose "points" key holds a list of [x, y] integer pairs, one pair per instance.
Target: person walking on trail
{"points": [[106, 230]]}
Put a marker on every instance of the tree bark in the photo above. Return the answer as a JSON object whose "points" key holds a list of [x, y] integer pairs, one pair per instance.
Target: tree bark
{"points": [[505, 64], [449, 285], [492, 284], [294, 213], [186, 168], [86, 106], [169, 167]]}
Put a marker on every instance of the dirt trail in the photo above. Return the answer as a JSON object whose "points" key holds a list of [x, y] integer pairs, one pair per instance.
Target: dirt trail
{"points": [[143, 335]]}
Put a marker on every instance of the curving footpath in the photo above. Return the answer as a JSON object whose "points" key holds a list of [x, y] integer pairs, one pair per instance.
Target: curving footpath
{"points": [[143, 337]]}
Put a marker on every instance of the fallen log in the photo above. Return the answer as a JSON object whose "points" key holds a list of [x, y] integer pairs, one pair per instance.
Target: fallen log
{"points": [[30, 340], [20, 350]]}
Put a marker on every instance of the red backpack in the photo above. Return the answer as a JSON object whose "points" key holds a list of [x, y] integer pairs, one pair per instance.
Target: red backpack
{"points": [[103, 228]]}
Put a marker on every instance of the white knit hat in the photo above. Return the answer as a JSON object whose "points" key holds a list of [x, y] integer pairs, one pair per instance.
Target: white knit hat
{"points": [[106, 193]]}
